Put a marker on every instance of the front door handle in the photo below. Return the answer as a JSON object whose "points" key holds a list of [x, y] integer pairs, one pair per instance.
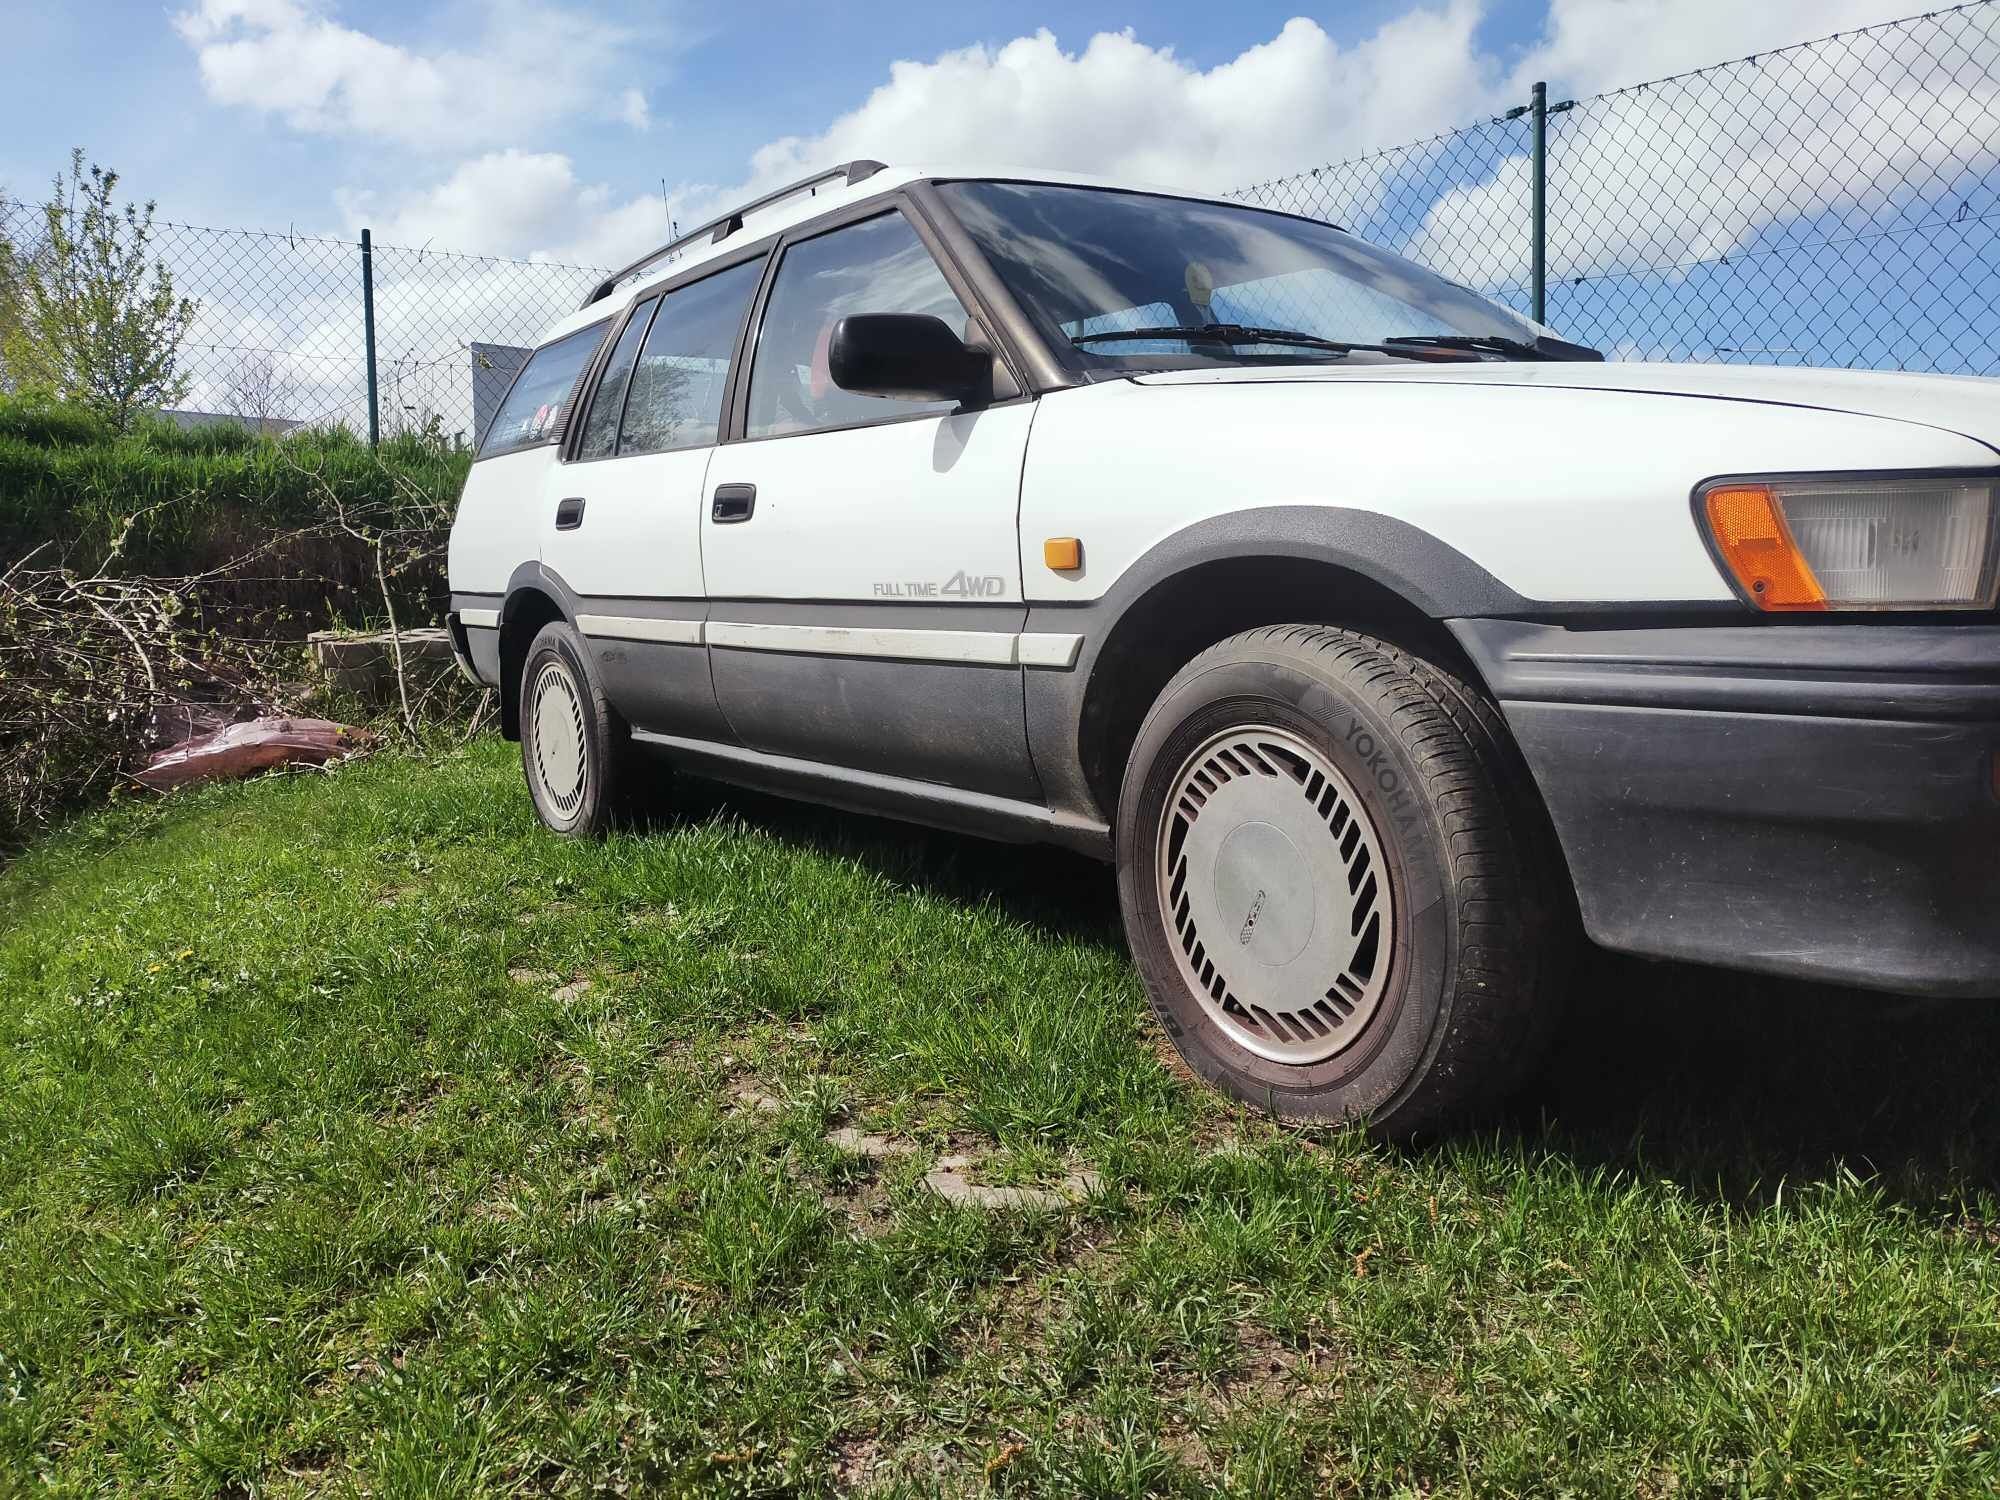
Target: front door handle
{"points": [[569, 513], [733, 502]]}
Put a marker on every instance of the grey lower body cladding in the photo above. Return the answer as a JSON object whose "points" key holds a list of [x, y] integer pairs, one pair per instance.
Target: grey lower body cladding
{"points": [[1809, 799]]}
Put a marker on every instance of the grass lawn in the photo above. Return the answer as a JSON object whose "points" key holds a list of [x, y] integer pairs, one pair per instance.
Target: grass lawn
{"points": [[358, 1137]]}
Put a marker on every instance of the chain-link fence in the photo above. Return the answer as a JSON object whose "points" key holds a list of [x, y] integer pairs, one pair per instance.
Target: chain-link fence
{"points": [[1832, 203], [281, 335]]}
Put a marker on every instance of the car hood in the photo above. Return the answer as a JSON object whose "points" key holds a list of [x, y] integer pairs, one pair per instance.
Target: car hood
{"points": [[1963, 404]]}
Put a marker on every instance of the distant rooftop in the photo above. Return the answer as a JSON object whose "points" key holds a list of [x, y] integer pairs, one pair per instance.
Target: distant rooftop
{"points": [[189, 421]]}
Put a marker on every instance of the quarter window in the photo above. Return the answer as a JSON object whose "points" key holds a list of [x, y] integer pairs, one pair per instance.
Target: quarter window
{"points": [[533, 411], [683, 371], [877, 266], [600, 428]]}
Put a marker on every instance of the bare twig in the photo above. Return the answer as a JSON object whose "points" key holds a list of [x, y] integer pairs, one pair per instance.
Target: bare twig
{"points": [[145, 661]]}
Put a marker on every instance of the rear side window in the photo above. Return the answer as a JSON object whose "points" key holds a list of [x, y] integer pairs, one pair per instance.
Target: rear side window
{"points": [[683, 373], [600, 428], [532, 413]]}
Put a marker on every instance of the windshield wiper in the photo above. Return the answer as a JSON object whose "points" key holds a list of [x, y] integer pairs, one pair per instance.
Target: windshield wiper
{"points": [[1238, 333], [1540, 347]]}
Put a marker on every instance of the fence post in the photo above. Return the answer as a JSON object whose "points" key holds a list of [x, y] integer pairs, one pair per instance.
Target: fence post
{"points": [[1538, 208], [368, 333]]}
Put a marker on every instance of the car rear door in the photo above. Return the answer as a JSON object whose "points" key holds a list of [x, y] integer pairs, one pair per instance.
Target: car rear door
{"points": [[623, 529], [861, 553]]}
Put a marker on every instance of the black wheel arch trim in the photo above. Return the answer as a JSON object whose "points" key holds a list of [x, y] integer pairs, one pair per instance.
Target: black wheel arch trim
{"points": [[534, 578], [530, 578], [1431, 574]]}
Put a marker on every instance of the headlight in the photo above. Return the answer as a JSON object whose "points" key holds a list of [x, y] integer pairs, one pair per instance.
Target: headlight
{"points": [[1818, 544]]}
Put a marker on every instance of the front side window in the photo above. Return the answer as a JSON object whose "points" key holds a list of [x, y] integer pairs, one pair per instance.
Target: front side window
{"points": [[532, 413], [683, 372], [876, 266], [1093, 267], [600, 427]]}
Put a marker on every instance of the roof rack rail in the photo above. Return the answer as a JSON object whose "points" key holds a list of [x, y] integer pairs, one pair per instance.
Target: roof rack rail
{"points": [[719, 229]]}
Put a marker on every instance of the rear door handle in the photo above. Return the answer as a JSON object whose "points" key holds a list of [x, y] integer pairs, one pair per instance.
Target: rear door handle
{"points": [[569, 513], [733, 502]]}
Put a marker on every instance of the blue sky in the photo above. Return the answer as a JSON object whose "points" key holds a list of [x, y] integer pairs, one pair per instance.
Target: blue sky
{"points": [[135, 82], [721, 79]]}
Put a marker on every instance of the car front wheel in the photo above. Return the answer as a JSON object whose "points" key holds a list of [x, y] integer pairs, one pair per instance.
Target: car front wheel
{"points": [[1334, 883]]}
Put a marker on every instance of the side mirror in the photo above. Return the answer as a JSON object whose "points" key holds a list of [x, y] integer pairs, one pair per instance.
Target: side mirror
{"points": [[906, 356]]}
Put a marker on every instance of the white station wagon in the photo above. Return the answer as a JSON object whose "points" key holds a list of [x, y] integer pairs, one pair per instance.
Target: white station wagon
{"points": [[1376, 634]]}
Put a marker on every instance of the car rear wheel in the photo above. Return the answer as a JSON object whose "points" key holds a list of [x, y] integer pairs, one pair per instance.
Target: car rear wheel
{"points": [[1334, 881], [575, 750]]}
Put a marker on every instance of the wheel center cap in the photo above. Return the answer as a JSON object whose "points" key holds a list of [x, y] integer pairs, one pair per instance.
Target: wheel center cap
{"points": [[1263, 887]]}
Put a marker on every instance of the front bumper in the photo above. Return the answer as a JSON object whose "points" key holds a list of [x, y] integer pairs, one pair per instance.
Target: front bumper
{"points": [[1817, 800]]}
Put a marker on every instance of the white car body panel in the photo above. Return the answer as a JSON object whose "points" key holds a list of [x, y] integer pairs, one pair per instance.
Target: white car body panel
{"points": [[499, 521], [1966, 404], [1580, 493], [895, 512], [641, 531]]}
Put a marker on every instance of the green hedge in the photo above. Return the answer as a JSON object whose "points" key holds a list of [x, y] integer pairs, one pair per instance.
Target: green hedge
{"points": [[203, 495]]}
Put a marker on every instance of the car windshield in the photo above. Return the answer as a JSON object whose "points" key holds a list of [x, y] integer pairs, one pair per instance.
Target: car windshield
{"points": [[1096, 268]]}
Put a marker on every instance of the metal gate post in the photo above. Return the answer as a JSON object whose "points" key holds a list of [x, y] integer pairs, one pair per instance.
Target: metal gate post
{"points": [[368, 333]]}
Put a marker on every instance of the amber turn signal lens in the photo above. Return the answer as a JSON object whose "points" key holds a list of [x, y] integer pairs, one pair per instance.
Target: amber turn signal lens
{"points": [[1751, 534], [1062, 554]]}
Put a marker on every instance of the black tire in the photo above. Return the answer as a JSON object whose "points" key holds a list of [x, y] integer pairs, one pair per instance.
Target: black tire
{"points": [[576, 752], [1307, 805]]}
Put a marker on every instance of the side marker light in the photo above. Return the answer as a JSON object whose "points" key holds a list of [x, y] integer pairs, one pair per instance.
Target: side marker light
{"points": [[1757, 546]]}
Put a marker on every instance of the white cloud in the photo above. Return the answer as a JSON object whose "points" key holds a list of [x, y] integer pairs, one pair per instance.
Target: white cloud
{"points": [[1116, 106], [1123, 108], [503, 203], [524, 204], [1589, 46], [532, 65], [1664, 177]]}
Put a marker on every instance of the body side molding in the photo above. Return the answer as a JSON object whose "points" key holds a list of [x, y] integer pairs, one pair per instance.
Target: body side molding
{"points": [[672, 632], [971, 647], [927, 802]]}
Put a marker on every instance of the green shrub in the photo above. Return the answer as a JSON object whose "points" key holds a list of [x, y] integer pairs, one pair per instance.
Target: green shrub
{"points": [[166, 436], [201, 495], [34, 418]]}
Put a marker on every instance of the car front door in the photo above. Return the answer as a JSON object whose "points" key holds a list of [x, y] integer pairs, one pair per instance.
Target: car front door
{"points": [[861, 553], [623, 531]]}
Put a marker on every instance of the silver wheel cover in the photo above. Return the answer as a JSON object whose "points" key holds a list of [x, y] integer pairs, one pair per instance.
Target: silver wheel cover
{"points": [[1275, 894], [556, 711]]}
